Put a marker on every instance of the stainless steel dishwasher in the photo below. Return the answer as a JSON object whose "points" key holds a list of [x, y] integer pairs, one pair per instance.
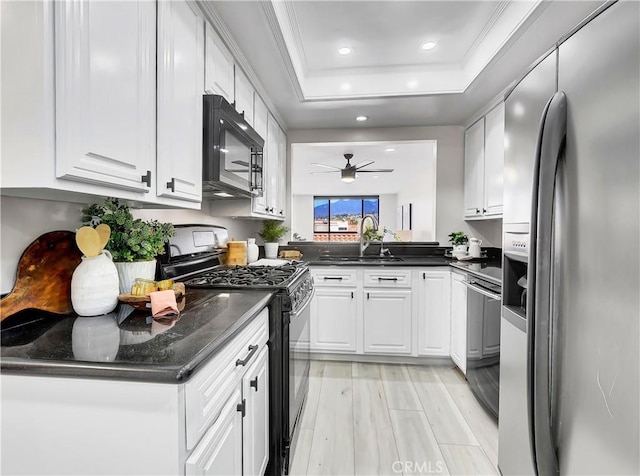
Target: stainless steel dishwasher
{"points": [[483, 341]]}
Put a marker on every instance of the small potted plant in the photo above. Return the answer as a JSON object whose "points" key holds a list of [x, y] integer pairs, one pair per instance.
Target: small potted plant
{"points": [[459, 241], [272, 231], [134, 243]]}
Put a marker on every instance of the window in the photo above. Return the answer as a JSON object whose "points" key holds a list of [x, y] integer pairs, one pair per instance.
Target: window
{"points": [[338, 218]]}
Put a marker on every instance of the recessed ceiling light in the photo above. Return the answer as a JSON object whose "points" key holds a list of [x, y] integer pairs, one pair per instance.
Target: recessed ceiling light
{"points": [[390, 149], [345, 50], [223, 194], [412, 84], [361, 118], [345, 86], [376, 176], [429, 45]]}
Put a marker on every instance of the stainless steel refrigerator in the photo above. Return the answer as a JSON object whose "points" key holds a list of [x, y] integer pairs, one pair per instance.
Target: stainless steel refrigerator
{"points": [[570, 338]]}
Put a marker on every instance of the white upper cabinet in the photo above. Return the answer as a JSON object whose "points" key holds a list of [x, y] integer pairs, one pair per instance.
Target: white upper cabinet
{"points": [[260, 116], [474, 169], [244, 96], [282, 171], [273, 166], [180, 86], [483, 166], [494, 161], [218, 66], [105, 59]]}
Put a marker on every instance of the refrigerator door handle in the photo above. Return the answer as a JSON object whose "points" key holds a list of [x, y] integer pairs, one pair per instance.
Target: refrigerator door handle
{"points": [[551, 142]]}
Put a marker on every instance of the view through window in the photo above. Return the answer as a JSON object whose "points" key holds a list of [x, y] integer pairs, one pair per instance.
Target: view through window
{"points": [[338, 218]]}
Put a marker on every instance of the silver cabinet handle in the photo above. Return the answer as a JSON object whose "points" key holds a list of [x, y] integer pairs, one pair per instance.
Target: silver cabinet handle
{"points": [[243, 362]]}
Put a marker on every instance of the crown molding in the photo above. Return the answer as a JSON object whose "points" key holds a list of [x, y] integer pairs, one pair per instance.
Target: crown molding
{"points": [[274, 25], [212, 15], [495, 16]]}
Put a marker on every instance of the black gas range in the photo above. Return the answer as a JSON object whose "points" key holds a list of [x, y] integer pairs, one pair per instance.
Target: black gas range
{"points": [[194, 256]]}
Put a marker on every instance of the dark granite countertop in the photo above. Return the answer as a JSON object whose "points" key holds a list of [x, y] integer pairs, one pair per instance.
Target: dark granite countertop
{"points": [[402, 261], [126, 344]]}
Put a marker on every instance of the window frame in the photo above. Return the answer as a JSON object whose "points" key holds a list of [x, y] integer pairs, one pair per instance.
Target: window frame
{"points": [[329, 198]]}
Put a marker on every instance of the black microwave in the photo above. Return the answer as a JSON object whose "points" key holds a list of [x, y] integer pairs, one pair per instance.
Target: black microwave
{"points": [[232, 152]]}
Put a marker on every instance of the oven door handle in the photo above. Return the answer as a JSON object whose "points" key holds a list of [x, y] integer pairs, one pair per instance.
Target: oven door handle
{"points": [[294, 315], [482, 291]]}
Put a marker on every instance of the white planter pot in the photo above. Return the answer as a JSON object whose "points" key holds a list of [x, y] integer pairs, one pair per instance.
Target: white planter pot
{"points": [[461, 248], [271, 250], [128, 272], [94, 285]]}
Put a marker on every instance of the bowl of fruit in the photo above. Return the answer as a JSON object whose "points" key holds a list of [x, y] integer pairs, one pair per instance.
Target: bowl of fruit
{"points": [[140, 299]]}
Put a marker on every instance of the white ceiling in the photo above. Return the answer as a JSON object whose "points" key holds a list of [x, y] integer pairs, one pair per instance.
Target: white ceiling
{"points": [[482, 47], [410, 161]]}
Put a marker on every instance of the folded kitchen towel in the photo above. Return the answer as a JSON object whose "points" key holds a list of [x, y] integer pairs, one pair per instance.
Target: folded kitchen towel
{"points": [[163, 303]]}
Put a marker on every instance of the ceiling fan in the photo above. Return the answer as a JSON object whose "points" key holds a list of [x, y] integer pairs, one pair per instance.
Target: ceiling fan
{"points": [[348, 174]]}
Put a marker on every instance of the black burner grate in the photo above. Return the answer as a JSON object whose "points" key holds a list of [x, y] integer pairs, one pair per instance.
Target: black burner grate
{"points": [[245, 276]]}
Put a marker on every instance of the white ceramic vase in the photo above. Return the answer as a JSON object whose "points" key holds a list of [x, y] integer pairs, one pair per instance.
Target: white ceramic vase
{"points": [[460, 248], [95, 339], [129, 271], [271, 250], [252, 250], [94, 285]]}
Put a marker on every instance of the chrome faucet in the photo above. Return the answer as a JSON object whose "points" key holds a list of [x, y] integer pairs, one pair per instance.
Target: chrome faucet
{"points": [[374, 222]]}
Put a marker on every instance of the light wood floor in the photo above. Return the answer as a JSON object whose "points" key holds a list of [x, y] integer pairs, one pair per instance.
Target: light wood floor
{"points": [[369, 419]]}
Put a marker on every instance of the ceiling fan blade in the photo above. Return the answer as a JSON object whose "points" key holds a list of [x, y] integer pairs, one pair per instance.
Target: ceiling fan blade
{"points": [[326, 166], [374, 170], [364, 163], [240, 162], [327, 172]]}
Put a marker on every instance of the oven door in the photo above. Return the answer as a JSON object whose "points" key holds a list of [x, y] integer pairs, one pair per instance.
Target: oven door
{"points": [[299, 364]]}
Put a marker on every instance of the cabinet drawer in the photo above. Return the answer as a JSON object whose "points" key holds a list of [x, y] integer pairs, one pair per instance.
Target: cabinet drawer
{"points": [[387, 278], [334, 277], [208, 390]]}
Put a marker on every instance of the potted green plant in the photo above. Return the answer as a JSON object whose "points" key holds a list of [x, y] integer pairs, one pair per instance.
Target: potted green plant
{"points": [[272, 232], [134, 243], [459, 241]]}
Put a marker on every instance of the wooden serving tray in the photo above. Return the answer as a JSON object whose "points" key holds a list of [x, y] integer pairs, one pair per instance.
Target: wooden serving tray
{"points": [[140, 302]]}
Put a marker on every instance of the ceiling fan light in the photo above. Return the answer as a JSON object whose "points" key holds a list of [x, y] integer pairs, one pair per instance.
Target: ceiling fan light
{"points": [[348, 175]]}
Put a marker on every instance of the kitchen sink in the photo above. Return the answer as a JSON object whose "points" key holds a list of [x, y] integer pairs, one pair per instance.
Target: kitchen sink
{"points": [[359, 259]]}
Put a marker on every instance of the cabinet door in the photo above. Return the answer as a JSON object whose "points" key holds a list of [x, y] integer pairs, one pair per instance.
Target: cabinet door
{"points": [[244, 96], [260, 116], [105, 92], [387, 321], [218, 70], [255, 391], [220, 450], [494, 161], [282, 174], [180, 86], [434, 312], [273, 172], [459, 322], [333, 320], [474, 169]]}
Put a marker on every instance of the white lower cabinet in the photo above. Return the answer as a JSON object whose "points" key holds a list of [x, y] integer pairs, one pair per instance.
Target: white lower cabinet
{"points": [[333, 319], [459, 321], [255, 425], [238, 441], [433, 291], [216, 423], [220, 451], [387, 321]]}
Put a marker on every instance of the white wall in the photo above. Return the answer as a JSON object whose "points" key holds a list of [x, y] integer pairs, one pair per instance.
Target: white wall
{"points": [[449, 173], [22, 220]]}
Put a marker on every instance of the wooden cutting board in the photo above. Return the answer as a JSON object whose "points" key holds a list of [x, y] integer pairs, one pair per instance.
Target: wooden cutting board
{"points": [[43, 279]]}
